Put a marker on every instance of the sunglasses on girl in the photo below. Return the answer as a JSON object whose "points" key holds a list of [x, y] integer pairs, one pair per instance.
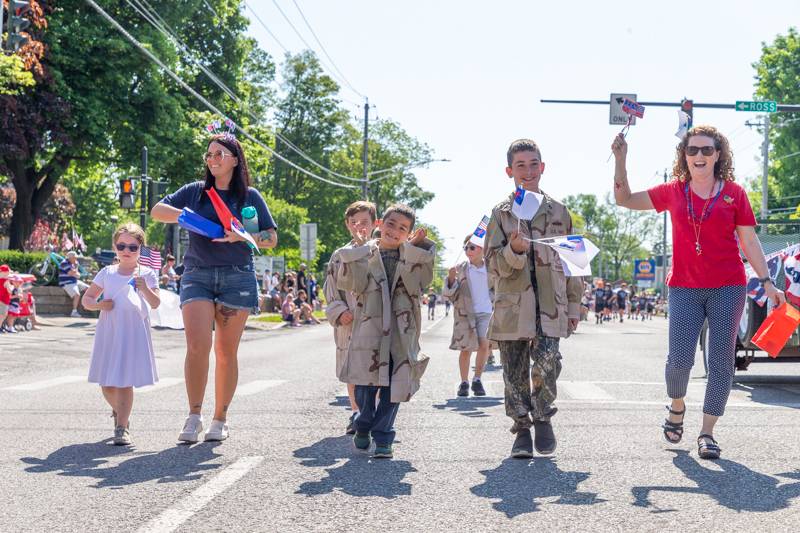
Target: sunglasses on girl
{"points": [[471, 247], [706, 150], [132, 247]]}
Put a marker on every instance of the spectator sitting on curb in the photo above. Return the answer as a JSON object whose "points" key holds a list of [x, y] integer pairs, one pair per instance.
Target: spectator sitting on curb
{"points": [[289, 312], [69, 279], [306, 311]]}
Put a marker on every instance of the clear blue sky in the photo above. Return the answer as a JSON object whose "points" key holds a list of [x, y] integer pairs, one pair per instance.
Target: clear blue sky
{"points": [[466, 77]]}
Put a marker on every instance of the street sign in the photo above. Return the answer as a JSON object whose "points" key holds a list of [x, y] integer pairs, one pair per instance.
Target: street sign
{"points": [[767, 106], [308, 241], [616, 116], [644, 269]]}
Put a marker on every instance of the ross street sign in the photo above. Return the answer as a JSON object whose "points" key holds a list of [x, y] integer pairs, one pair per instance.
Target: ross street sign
{"points": [[767, 106], [616, 116], [308, 241]]}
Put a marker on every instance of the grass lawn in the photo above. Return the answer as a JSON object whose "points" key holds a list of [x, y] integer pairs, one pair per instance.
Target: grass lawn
{"points": [[276, 317]]}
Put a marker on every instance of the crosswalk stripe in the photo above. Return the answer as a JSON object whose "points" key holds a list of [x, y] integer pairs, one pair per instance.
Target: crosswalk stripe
{"points": [[163, 383], [257, 386], [583, 390], [173, 517], [46, 383]]}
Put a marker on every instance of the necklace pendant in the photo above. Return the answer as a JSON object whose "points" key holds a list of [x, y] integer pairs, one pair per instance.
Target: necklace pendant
{"points": [[697, 248]]}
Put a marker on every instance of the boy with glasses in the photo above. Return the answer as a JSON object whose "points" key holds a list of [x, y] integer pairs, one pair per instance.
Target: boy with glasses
{"points": [[468, 287], [535, 303]]}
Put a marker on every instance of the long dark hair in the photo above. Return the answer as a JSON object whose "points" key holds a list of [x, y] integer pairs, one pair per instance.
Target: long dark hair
{"points": [[241, 174]]}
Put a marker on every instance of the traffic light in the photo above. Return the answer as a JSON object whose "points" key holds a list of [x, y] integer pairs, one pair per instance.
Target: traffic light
{"points": [[687, 106], [17, 23], [127, 198], [156, 191]]}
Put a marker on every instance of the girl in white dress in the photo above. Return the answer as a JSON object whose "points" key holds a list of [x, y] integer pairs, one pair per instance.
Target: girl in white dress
{"points": [[123, 357]]}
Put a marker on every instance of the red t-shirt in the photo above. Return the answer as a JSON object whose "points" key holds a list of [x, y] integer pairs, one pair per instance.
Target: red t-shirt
{"points": [[5, 297], [719, 264]]}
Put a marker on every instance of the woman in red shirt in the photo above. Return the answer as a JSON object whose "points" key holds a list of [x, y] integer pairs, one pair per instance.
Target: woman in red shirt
{"points": [[711, 218]]}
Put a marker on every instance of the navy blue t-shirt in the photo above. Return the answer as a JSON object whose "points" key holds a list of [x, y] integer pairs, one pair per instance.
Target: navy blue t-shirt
{"points": [[204, 251]]}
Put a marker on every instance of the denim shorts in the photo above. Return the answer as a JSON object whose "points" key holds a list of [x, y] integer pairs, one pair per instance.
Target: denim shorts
{"points": [[232, 286]]}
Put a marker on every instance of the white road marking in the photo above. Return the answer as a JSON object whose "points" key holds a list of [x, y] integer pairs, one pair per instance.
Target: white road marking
{"points": [[431, 326], [172, 518], [163, 383], [46, 383], [583, 390], [257, 386], [751, 405]]}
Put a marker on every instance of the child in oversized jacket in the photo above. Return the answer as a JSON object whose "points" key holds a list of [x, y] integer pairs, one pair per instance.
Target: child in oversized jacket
{"points": [[387, 276]]}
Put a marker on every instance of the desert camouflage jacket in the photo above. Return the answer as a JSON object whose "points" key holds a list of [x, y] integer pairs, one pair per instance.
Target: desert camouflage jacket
{"points": [[559, 297], [387, 318], [465, 335], [336, 303]]}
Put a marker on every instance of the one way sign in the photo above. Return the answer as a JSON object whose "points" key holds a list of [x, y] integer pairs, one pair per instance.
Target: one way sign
{"points": [[616, 115]]}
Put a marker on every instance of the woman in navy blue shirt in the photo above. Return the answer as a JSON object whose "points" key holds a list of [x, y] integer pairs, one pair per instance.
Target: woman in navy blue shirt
{"points": [[218, 286]]}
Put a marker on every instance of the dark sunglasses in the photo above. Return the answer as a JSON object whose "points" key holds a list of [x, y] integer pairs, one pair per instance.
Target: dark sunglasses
{"points": [[706, 150], [471, 247], [132, 247]]}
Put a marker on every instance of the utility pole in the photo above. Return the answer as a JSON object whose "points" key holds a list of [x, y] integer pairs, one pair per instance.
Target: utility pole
{"points": [[365, 183], [765, 157], [143, 185]]}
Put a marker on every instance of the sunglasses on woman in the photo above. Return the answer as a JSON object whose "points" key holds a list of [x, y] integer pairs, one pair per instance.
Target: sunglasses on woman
{"points": [[219, 154], [471, 247], [132, 247], [706, 150]]}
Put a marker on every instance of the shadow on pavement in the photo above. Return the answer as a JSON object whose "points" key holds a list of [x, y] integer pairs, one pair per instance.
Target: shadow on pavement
{"points": [[178, 463], [358, 476], [731, 484], [471, 407], [340, 401], [518, 484], [770, 390]]}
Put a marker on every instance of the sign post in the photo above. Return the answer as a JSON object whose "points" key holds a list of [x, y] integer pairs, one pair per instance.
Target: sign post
{"points": [[644, 272], [308, 241]]}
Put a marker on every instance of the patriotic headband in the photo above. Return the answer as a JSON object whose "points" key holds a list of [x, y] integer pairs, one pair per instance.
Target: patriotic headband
{"points": [[215, 128]]}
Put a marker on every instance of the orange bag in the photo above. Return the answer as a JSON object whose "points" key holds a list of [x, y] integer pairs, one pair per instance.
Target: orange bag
{"points": [[776, 329]]}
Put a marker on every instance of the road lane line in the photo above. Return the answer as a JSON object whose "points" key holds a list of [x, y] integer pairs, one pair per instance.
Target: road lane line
{"points": [[431, 326], [172, 518], [254, 387], [163, 383], [583, 390], [46, 383]]}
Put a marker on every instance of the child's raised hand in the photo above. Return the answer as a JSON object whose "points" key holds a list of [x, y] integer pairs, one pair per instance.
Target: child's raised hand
{"points": [[105, 305], [418, 236], [518, 243]]}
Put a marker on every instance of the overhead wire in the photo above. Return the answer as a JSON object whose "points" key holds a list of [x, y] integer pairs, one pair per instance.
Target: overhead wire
{"points": [[265, 26], [152, 16], [211, 107]]}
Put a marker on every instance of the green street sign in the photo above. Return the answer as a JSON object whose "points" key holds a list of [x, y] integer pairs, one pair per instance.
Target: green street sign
{"points": [[759, 107]]}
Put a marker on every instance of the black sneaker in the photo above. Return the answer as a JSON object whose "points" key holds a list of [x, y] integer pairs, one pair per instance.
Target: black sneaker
{"points": [[545, 438], [463, 389], [523, 446], [351, 430], [491, 360], [477, 388]]}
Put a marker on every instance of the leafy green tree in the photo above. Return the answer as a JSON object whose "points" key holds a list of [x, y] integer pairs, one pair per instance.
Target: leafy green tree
{"points": [[778, 78]]}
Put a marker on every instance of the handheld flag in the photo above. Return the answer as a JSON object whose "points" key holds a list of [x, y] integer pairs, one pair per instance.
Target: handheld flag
{"points": [[683, 124], [150, 257], [479, 236], [195, 223], [525, 204], [575, 251], [632, 108], [238, 229], [222, 210], [791, 268]]}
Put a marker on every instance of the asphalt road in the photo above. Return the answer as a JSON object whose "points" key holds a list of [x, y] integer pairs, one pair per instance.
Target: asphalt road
{"points": [[288, 466]]}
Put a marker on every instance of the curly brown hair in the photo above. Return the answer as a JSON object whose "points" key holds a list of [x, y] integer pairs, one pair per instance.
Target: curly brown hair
{"points": [[723, 168]]}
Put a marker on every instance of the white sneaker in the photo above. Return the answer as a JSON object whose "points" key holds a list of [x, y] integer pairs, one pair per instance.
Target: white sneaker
{"points": [[217, 431], [192, 429], [75, 314]]}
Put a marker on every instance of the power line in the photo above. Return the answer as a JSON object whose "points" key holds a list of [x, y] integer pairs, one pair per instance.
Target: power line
{"points": [[151, 15], [203, 100], [324, 51], [297, 32], [265, 26]]}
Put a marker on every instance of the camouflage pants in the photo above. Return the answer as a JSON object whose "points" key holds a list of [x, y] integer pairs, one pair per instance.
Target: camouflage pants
{"points": [[530, 370]]}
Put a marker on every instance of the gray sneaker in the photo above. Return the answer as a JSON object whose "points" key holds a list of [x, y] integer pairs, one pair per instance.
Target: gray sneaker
{"points": [[217, 432], [192, 429], [122, 437]]}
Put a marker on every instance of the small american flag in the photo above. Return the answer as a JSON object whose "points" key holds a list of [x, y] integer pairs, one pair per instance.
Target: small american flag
{"points": [[150, 257]]}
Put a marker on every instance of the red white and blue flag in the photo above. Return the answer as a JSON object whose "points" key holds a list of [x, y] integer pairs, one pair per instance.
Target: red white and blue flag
{"points": [[150, 257], [479, 235], [575, 252], [632, 108], [525, 204]]}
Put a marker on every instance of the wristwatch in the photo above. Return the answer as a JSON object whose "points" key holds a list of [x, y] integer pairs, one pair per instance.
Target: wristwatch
{"points": [[764, 280]]}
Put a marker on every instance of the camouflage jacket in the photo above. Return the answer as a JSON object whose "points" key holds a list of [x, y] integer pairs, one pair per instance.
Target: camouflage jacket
{"points": [[336, 303], [465, 335], [385, 324], [514, 316]]}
